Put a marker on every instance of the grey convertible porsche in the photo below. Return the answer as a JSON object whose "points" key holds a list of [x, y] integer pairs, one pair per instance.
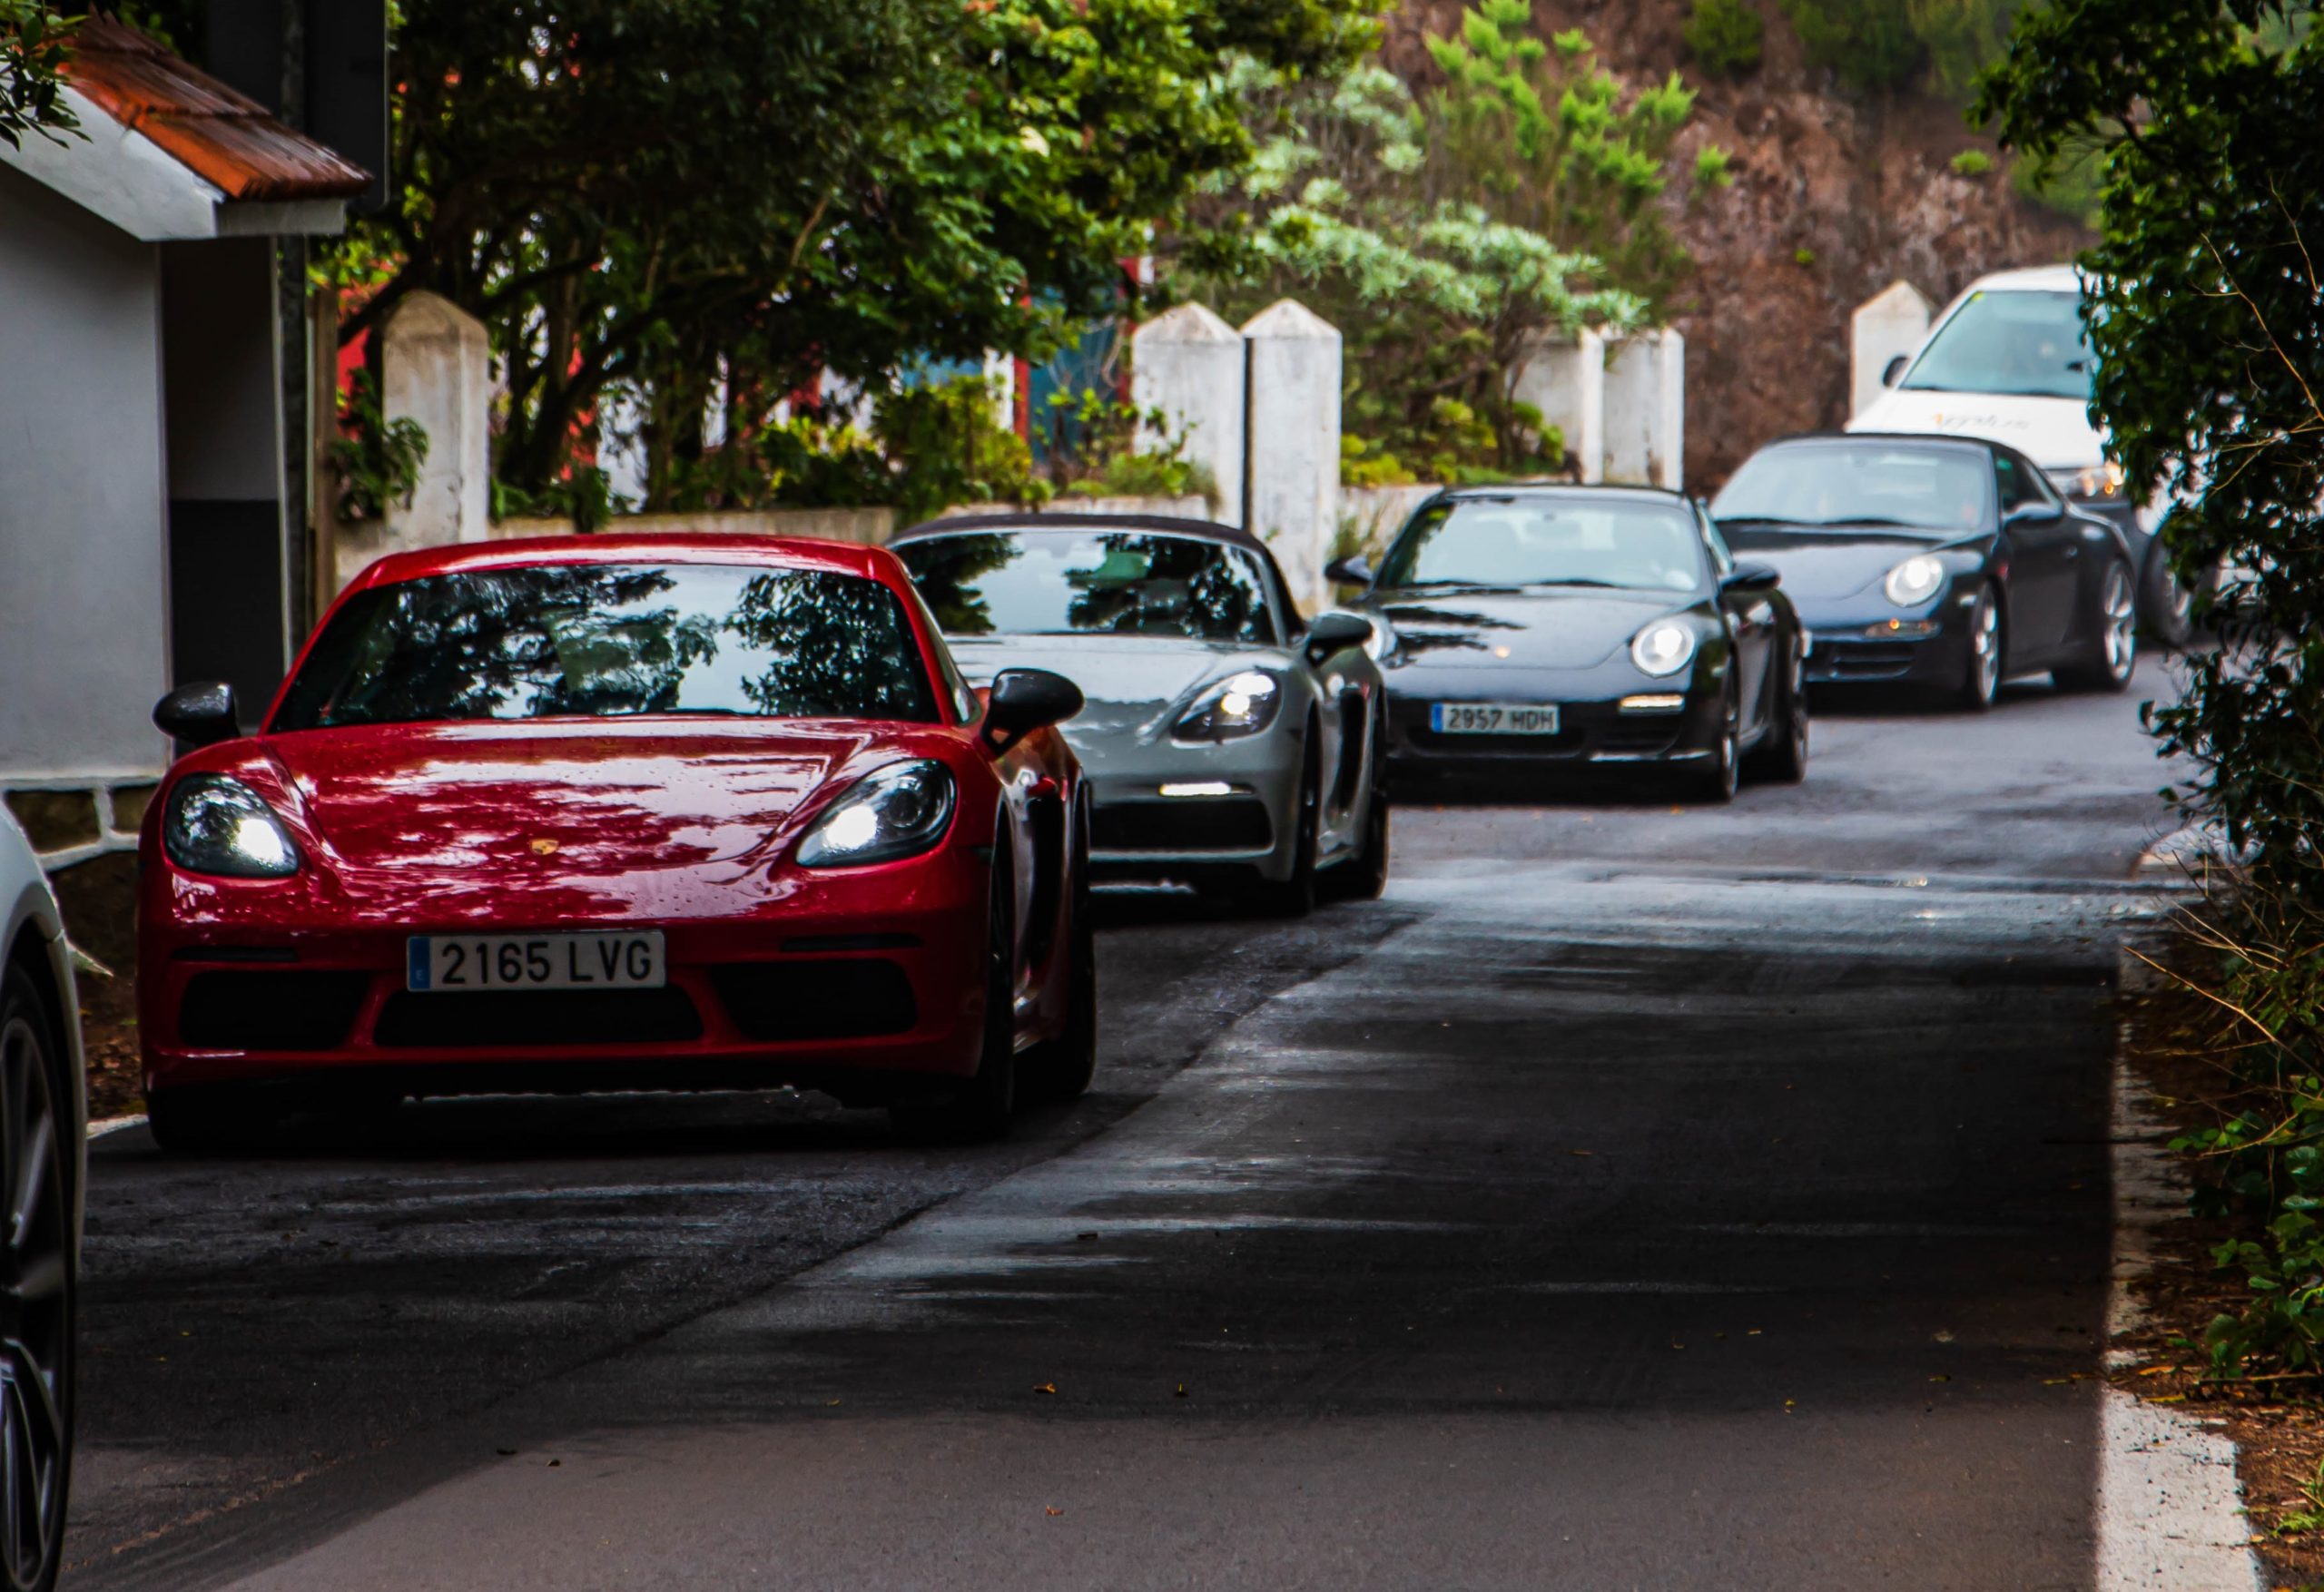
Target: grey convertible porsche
{"points": [[1229, 744]]}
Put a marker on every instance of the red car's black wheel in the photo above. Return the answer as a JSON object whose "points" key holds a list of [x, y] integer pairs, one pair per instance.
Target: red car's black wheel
{"points": [[1067, 1062], [36, 1286]]}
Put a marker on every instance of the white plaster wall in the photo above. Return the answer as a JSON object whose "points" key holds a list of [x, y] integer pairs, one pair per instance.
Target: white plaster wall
{"points": [[1566, 380], [83, 563], [1645, 399], [1293, 434], [435, 369], [1893, 321], [1188, 363]]}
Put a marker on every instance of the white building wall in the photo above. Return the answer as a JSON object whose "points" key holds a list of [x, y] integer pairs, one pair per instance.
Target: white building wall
{"points": [[1645, 411], [1188, 363], [83, 591], [435, 369], [1566, 380]]}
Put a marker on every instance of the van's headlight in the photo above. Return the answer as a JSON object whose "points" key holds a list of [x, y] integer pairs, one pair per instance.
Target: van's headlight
{"points": [[1914, 581], [220, 826], [1240, 705], [2101, 483], [899, 810], [1663, 648]]}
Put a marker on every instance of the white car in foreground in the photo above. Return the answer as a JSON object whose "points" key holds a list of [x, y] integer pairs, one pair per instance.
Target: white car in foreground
{"points": [[44, 1138], [2007, 362]]}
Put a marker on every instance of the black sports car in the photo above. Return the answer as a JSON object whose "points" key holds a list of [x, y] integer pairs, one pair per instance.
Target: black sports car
{"points": [[1945, 562], [1532, 627]]}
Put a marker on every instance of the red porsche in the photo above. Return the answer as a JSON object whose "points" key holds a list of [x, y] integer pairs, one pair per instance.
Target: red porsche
{"points": [[664, 812]]}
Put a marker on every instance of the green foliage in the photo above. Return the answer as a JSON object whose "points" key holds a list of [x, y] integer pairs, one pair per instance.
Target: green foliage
{"points": [[1712, 167], [1868, 45], [1972, 163], [665, 197], [36, 41], [1803, 256], [1447, 234], [1725, 35], [377, 460], [2203, 312]]}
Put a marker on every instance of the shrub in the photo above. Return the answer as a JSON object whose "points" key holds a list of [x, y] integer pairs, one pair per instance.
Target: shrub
{"points": [[1868, 45], [1972, 163], [1724, 36]]}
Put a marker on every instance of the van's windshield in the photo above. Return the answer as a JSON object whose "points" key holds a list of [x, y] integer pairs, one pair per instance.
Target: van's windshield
{"points": [[2015, 344]]}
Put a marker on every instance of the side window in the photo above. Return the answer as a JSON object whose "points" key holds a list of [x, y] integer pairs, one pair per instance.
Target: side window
{"points": [[955, 684], [2017, 485], [1723, 562]]}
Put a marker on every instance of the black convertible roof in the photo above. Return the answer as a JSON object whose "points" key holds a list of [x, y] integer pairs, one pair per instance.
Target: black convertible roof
{"points": [[1035, 520]]}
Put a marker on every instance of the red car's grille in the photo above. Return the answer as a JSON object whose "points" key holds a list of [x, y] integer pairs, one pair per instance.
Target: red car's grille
{"points": [[517, 1018], [310, 1009], [853, 998]]}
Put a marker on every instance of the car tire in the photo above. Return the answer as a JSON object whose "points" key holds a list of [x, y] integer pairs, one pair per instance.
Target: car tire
{"points": [[982, 1107], [210, 1120], [1362, 876], [1064, 1066], [1982, 673], [2111, 656], [2166, 607], [37, 1395], [1783, 756], [1716, 782], [1296, 897]]}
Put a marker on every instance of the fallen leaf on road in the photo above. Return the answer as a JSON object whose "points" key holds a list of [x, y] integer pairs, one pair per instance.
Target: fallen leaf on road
{"points": [[1940, 1379], [1046, 1387], [1181, 1392], [552, 1464], [1582, 1152], [1050, 1512]]}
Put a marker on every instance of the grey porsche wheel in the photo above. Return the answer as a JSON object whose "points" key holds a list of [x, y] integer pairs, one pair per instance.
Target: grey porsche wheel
{"points": [[36, 1294], [2112, 651], [1296, 897], [1362, 876]]}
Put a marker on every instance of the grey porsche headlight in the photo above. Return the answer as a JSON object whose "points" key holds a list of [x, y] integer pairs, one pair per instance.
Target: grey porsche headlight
{"points": [[1663, 648], [899, 810], [1914, 581], [220, 826], [1240, 705]]}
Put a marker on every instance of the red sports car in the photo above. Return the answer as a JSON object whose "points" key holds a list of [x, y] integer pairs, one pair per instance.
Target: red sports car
{"points": [[671, 812]]}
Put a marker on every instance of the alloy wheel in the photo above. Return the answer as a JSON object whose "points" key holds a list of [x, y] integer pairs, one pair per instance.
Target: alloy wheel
{"points": [[1984, 650], [2120, 620], [35, 1308]]}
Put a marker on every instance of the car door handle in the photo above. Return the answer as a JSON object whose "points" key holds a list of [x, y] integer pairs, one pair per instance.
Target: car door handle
{"points": [[2074, 549]]}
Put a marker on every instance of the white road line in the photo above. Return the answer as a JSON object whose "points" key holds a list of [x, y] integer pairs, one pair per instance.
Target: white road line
{"points": [[2170, 1508]]}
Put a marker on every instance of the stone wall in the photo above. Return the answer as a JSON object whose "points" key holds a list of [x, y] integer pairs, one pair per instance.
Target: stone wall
{"points": [[70, 821]]}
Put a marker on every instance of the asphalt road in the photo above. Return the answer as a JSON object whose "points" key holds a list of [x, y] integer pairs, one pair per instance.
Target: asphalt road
{"points": [[1639, 1196]]}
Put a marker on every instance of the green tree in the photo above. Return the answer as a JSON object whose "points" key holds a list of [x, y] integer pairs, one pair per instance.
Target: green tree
{"points": [[1446, 234], [1725, 35], [36, 41], [1868, 44], [680, 199]]}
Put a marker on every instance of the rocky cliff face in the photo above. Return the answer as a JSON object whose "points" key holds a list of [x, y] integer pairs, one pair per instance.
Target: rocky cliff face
{"points": [[1834, 197]]}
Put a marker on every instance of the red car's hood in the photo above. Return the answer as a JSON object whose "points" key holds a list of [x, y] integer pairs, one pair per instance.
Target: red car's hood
{"points": [[634, 815]]}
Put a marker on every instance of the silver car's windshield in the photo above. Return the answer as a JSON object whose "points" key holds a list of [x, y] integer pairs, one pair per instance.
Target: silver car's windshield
{"points": [[1643, 544], [2009, 344], [1067, 582]]}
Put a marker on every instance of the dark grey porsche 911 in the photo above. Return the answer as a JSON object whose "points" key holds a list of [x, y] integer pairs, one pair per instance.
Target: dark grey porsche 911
{"points": [[1537, 627]]}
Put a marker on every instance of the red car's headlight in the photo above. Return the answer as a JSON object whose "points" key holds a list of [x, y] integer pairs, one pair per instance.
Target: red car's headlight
{"points": [[220, 826], [899, 810]]}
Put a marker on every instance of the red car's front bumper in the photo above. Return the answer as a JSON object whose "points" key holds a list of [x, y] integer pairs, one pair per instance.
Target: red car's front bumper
{"points": [[867, 983]]}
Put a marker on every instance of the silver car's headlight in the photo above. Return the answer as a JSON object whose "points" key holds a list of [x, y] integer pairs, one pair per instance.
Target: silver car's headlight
{"points": [[1240, 705], [220, 826], [1663, 648], [1914, 581], [899, 810]]}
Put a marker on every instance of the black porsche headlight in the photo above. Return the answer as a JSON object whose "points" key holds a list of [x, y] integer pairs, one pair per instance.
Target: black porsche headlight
{"points": [[220, 826], [899, 810], [1663, 648], [1240, 705], [1914, 581]]}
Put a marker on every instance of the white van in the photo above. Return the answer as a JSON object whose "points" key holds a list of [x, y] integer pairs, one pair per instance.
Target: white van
{"points": [[2006, 361]]}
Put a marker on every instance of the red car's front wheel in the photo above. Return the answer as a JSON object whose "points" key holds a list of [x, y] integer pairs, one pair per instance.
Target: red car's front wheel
{"points": [[982, 1107]]}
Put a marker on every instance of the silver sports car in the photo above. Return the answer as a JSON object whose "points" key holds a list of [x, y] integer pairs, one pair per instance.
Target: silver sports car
{"points": [[1229, 744]]}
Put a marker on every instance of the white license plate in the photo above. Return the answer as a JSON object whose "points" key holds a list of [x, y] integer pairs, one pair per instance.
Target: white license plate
{"points": [[442, 964], [1492, 718]]}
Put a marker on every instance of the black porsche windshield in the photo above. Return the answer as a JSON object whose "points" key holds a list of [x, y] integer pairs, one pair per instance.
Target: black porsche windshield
{"points": [[1065, 583], [614, 641], [2009, 344], [1860, 484], [1644, 545]]}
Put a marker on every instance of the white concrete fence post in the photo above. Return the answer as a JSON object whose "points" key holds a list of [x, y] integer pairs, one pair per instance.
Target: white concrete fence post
{"points": [[436, 368], [1294, 442], [1893, 321], [1188, 363], [1565, 378], [1645, 411]]}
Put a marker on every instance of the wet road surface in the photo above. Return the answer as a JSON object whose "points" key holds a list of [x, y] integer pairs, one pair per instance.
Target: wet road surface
{"points": [[1635, 1197]]}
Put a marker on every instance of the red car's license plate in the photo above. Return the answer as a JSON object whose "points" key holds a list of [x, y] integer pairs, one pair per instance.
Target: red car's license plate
{"points": [[447, 963]]}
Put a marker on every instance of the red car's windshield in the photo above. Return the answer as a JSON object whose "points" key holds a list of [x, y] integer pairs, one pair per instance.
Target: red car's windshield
{"points": [[613, 640]]}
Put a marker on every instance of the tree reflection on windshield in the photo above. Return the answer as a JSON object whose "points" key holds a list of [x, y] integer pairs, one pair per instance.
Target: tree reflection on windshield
{"points": [[1051, 583], [608, 641]]}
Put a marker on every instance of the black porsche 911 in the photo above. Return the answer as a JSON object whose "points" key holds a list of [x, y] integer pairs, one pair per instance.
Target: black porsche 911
{"points": [[1536, 627], [1944, 563]]}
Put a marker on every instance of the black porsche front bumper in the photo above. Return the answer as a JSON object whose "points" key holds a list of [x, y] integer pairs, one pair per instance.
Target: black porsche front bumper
{"points": [[1889, 652], [1589, 732]]}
